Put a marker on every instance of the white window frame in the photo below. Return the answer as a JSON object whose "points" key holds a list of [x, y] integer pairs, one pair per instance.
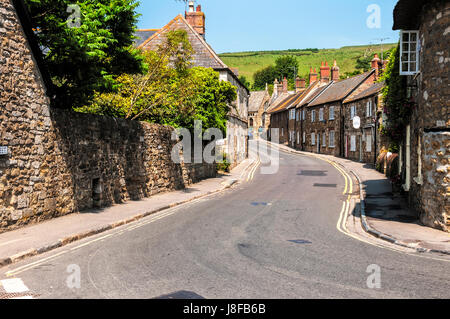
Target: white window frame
{"points": [[409, 52], [297, 115], [352, 111], [324, 139], [313, 116], [368, 143], [304, 114], [331, 137], [331, 116], [292, 114], [369, 108], [321, 115], [353, 143], [304, 137], [313, 138], [298, 137]]}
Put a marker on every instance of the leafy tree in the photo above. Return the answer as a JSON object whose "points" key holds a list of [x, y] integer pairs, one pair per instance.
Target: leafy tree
{"points": [[285, 66], [85, 58], [266, 75], [170, 92]]}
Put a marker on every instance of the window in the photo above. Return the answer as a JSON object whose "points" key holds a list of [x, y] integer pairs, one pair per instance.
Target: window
{"points": [[352, 111], [369, 111], [331, 138], [324, 141], [313, 116], [304, 114], [353, 143], [292, 114], [409, 52], [282, 131], [313, 139], [298, 137], [369, 143], [304, 137], [331, 113], [321, 115], [297, 116]]}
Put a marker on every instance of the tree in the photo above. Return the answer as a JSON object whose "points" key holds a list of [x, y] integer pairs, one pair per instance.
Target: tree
{"points": [[286, 66], [244, 81], [266, 75], [170, 92], [87, 57]]}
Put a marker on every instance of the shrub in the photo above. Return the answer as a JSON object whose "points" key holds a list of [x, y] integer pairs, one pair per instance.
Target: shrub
{"points": [[223, 165]]}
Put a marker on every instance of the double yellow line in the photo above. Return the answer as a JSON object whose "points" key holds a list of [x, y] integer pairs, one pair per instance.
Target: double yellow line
{"points": [[251, 174]]}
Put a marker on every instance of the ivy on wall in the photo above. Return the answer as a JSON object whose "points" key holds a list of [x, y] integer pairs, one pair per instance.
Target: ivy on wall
{"points": [[396, 105]]}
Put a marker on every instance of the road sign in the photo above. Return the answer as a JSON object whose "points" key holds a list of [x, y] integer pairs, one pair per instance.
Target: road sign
{"points": [[356, 122]]}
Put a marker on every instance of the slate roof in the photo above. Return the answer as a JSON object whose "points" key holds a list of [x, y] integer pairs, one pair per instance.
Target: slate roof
{"points": [[204, 55], [256, 99], [368, 91], [340, 90], [284, 104], [143, 35], [314, 93]]}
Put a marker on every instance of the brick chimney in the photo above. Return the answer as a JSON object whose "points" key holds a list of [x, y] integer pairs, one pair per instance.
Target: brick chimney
{"points": [[335, 72], [312, 76], [300, 84], [376, 63], [196, 18], [325, 72], [285, 85]]}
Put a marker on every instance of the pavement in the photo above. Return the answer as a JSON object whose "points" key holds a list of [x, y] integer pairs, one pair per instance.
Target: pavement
{"points": [[51, 234], [386, 215], [273, 236]]}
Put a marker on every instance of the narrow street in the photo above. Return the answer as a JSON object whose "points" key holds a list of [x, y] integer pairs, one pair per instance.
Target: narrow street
{"points": [[265, 238]]}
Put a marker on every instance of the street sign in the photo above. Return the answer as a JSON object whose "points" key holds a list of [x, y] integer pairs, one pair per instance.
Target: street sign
{"points": [[356, 122]]}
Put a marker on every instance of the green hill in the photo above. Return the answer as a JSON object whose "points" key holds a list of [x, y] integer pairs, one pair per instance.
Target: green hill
{"points": [[250, 62]]}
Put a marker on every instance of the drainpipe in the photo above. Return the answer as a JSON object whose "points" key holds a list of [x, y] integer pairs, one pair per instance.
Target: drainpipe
{"points": [[407, 185]]}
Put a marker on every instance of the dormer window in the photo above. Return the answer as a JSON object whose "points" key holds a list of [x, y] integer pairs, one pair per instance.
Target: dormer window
{"points": [[409, 52]]}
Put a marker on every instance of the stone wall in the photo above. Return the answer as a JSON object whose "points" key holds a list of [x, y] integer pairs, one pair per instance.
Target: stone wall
{"points": [[436, 181], [62, 162], [430, 120]]}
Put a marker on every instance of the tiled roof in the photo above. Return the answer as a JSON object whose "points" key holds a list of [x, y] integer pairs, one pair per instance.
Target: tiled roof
{"points": [[313, 94], [341, 89], [143, 35], [284, 104], [204, 55], [368, 91], [256, 99]]}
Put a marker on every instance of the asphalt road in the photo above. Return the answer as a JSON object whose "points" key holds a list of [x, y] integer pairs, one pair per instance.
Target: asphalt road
{"points": [[272, 237]]}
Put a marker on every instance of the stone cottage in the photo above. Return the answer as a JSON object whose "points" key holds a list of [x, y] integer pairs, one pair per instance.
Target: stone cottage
{"points": [[258, 105], [204, 56], [425, 62]]}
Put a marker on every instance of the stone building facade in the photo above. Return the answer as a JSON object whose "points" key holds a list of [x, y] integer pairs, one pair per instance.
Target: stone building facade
{"points": [[258, 105], [425, 152], [235, 144], [56, 162], [363, 144]]}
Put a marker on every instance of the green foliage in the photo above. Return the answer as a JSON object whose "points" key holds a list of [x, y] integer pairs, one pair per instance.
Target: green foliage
{"points": [[223, 165], [170, 92], [245, 82], [397, 107], [85, 59], [284, 67]]}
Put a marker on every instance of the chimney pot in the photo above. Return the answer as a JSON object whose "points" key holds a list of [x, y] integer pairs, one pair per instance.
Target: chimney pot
{"points": [[199, 8]]}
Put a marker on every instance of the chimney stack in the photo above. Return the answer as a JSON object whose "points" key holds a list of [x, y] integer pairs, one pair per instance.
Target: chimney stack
{"points": [[335, 72], [300, 84], [196, 18], [275, 87], [312, 76], [376, 62], [285, 85], [325, 73]]}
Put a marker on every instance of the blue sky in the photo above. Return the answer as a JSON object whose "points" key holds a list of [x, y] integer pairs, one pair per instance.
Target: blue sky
{"points": [[247, 25]]}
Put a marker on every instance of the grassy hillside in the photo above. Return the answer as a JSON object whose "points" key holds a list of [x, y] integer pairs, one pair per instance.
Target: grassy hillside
{"points": [[250, 62]]}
